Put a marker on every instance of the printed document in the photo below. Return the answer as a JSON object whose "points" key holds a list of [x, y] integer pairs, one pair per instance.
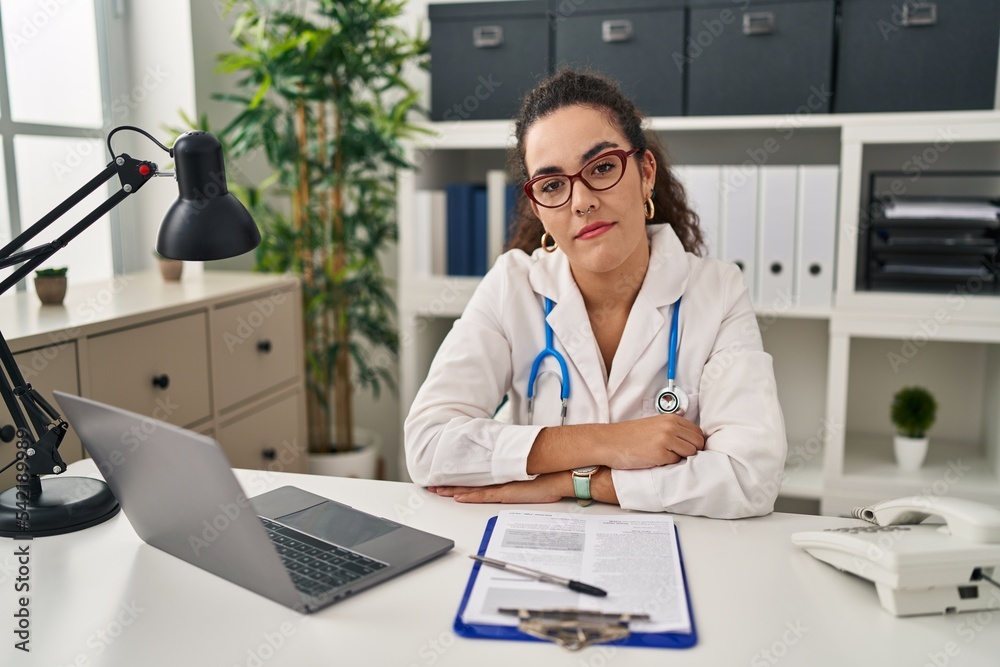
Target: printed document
{"points": [[635, 558]]}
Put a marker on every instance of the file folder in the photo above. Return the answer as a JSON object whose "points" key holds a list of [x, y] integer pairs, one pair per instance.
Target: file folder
{"points": [[640, 639], [817, 235], [702, 186], [776, 270], [739, 222]]}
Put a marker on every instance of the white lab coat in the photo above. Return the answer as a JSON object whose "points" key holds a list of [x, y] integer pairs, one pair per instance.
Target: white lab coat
{"points": [[451, 437]]}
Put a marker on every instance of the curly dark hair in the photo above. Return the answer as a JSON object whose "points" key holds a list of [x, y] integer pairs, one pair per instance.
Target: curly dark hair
{"points": [[590, 89]]}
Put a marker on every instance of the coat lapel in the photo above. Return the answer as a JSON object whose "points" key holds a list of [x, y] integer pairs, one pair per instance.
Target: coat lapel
{"points": [[665, 281], [551, 277]]}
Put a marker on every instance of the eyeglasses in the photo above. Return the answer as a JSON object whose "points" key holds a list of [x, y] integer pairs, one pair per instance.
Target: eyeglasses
{"points": [[602, 173]]}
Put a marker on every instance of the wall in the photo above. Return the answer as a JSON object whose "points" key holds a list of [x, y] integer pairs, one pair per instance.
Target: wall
{"points": [[152, 78]]}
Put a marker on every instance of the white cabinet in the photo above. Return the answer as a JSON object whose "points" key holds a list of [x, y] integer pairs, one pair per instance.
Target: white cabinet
{"points": [[835, 380], [220, 353]]}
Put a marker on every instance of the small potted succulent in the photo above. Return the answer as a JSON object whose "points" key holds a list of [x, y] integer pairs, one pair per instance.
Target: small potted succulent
{"points": [[50, 285], [913, 412]]}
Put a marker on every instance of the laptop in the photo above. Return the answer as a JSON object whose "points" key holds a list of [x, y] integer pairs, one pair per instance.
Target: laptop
{"points": [[179, 493]]}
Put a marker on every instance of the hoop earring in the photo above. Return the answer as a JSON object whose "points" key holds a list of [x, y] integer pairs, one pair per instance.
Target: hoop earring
{"points": [[545, 243], [648, 209]]}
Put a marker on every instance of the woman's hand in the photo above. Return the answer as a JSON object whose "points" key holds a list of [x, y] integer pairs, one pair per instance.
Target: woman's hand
{"points": [[652, 441], [548, 488]]}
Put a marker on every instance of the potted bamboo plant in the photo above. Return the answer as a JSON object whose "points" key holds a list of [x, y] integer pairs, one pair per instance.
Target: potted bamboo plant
{"points": [[913, 412], [323, 95]]}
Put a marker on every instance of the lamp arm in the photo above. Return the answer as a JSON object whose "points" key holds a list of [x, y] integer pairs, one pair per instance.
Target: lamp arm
{"points": [[44, 458]]}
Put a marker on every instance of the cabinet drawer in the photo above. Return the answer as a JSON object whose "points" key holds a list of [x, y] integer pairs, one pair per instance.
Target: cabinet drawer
{"points": [[760, 56], [253, 347], [158, 369], [485, 56], [930, 55], [269, 438], [45, 369], [634, 42]]}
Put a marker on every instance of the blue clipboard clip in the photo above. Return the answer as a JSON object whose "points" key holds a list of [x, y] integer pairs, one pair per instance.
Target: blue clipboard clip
{"points": [[574, 629]]}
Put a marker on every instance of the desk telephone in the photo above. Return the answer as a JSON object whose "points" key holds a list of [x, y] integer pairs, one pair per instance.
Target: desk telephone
{"points": [[919, 568]]}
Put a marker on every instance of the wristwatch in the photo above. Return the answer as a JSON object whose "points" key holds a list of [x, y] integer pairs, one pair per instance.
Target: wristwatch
{"points": [[581, 484]]}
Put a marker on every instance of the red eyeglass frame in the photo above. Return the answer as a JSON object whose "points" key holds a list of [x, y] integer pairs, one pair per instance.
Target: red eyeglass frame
{"points": [[620, 152]]}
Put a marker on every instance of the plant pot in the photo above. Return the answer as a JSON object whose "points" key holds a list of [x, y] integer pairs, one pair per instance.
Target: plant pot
{"points": [[171, 269], [361, 462], [910, 452], [51, 290]]}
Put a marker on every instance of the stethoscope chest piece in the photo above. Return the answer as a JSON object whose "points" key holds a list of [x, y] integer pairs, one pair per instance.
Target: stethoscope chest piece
{"points": [[671, 400]]}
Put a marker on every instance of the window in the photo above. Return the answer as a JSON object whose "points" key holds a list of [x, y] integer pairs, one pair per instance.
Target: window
{"points": [[53, 111]]}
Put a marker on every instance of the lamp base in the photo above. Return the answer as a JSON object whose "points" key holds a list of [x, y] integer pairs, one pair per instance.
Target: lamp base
{"points": [[67, 504]]}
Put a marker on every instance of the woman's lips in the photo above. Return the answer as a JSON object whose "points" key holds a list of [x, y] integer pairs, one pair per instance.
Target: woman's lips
{"points": [[594, 230]]}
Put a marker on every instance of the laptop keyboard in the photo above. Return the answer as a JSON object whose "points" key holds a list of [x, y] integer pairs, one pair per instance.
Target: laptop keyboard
{"points": [[317, 567]]}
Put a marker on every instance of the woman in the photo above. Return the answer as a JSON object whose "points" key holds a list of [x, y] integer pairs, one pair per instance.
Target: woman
{"points": [[608, 248]]}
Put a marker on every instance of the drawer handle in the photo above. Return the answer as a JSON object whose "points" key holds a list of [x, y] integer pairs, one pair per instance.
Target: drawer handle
{"points": [[264, 346], [269, 454], [616, 30], [487, 36], [758, 23], [815, 269], [776, 268], [919, 13], [7, 432], [161, 381]]}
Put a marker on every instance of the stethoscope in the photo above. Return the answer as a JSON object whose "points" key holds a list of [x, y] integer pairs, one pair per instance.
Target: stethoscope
{"points": [[669, 400]]}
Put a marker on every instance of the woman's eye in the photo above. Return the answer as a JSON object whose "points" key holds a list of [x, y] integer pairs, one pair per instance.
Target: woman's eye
{"points": [[603, 168], [552, 186]]}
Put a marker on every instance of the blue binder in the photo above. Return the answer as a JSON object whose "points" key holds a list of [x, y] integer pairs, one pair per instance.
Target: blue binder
{"points": [[647, 639]]}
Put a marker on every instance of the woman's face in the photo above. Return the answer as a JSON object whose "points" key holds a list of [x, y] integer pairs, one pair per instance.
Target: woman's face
{"points": [[613, 233]]}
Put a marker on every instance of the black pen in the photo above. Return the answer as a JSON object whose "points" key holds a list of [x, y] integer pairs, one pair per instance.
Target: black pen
{"points": [[571, 584]]}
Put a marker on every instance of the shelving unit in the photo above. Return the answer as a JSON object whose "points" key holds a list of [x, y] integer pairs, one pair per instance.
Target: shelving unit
{"points": [[839, 454]]}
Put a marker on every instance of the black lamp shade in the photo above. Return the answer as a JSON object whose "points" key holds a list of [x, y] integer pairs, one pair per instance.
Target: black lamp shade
{"points": [[206, 222]]}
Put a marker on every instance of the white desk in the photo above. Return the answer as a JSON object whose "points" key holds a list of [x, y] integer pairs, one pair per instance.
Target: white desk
{"points": [[103, 597]]}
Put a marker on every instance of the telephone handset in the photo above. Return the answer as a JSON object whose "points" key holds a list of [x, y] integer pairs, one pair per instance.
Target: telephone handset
{"points": [[918, 568]]}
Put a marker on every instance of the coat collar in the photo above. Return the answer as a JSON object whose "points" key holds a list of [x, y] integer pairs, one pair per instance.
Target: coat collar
{"points": [[665, 281], [666, 278]]}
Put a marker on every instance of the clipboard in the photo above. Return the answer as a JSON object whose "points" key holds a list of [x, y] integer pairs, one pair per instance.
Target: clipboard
{"points": [[640, 639]]}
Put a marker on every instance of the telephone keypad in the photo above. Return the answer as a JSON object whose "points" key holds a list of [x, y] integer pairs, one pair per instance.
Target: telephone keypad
{"points": [[865, 529]]}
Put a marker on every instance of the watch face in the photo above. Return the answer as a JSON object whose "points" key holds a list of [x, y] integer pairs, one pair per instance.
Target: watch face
{"points": [[588, 470]]}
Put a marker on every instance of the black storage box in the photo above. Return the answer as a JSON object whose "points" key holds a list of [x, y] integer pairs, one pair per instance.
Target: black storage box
{"points": [[485, 56], [639, 43], [917, 56], [753, 57]]}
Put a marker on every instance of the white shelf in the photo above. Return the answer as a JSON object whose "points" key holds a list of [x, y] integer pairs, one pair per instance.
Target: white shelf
{"points": [[803, 476], [950, 468], [915, 127]]}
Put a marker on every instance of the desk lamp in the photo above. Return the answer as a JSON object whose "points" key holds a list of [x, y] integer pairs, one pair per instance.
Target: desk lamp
{"points": [[205, 222]]}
